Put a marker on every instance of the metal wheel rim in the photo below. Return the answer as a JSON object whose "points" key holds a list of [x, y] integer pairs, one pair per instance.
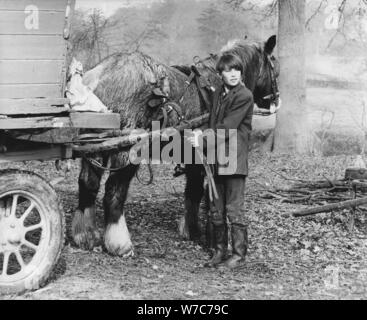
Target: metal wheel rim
{"points": [[40, 249]]}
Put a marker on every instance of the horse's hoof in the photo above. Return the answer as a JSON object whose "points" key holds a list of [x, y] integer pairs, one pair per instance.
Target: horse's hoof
{"points": [[116, 250], [117, 239], [85, 235], [87, 240], [120, 252]]}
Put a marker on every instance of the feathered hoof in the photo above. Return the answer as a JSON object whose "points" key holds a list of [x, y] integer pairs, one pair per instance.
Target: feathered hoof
{"points": [[117, 239], [85, 234], [115, 250]]}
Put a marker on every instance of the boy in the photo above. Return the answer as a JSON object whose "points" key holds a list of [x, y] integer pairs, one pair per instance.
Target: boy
{"points": [[232, 109]]}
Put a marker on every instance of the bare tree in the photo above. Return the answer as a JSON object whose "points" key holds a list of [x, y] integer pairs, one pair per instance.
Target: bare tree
{"points": [[98, 24], [151, 32], [131, 30], [88, 36], [291, 132], [217, 26], [344, 15], [248, 5]]}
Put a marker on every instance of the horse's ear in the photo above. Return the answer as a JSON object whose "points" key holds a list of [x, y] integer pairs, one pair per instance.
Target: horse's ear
{"points": [[270, 44]]}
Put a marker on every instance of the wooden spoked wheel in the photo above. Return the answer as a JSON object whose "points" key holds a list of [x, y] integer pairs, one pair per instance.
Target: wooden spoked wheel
{"points": [[31, 231]]}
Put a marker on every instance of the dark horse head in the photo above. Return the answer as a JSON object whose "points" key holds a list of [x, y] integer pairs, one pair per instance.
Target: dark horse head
{"points": [[261, 68]]}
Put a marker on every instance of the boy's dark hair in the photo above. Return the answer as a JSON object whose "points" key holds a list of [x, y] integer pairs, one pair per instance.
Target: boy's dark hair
{"points": [[229, 61]]}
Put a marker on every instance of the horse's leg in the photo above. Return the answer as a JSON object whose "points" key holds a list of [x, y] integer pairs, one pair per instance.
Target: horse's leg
{"points": [[84, 230], [117, 238], [189, 225]]}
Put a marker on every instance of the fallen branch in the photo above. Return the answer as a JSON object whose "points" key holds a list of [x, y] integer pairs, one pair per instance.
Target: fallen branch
{"points": [[323, 184], [330, 207], [359, 184]]}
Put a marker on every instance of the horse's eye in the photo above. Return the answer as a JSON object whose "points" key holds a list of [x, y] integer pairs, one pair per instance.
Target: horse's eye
{"points": [[272, 58]]}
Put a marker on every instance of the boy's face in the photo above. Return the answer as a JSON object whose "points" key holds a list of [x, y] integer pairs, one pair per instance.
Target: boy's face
{"points": [[231, 77]]}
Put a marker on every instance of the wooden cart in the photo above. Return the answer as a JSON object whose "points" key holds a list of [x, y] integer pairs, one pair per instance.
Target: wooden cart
{"points": [[35, 124]]}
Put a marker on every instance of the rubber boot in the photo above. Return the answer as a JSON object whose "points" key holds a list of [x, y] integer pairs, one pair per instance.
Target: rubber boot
{"points": [[221, 244], [209, 228], [239, 246]]}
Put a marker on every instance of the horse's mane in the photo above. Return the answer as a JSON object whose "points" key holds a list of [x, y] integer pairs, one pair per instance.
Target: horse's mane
{"points": [[127, 80]]}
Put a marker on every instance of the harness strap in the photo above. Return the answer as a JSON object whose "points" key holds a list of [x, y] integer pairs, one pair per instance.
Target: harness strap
{"points": [[188, 84], [165, 118], [177, 109], [205, 91], [274, 82]]}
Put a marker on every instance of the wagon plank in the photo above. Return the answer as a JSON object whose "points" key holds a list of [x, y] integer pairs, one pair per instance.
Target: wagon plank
{"points": [[30, 90], [30, 71], [54, 136], [54, 153], [13, 22], [95, 120], [32, 106], [31, 47], [76, 120], [54, 5]]}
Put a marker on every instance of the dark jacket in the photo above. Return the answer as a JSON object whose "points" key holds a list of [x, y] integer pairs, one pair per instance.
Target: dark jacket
{"points": [[233, 111]]}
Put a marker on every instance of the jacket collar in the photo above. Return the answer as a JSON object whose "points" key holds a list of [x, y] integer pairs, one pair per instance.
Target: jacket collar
{"points": [[232, 90], [219, 108]]}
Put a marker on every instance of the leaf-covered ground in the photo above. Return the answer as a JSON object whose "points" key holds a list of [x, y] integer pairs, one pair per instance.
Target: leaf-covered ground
{"points": [[317, 257]]}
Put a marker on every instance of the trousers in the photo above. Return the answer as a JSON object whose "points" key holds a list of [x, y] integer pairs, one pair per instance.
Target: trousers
{"points": [[230, 202]]}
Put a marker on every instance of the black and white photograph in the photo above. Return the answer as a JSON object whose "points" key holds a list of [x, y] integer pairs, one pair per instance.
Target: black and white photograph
{"points": [[197, 151]]}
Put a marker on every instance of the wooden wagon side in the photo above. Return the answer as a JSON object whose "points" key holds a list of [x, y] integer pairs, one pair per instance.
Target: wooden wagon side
{"points": [[33, 64], [35, 124], [33, 49]]}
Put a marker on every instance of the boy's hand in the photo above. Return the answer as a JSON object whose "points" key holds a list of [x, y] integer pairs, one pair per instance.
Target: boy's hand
{"points": [[194, 139]]}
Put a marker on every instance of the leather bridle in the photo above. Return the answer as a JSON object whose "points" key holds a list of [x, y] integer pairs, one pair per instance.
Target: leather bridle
{"points": [[274, 96]]}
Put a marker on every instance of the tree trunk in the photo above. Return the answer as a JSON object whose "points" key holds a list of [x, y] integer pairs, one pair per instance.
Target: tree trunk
{"points": [[291, 132]]}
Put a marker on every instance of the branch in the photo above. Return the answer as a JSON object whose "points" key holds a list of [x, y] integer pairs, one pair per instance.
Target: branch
{"points": [[341, 9], [315, 13], [273, 8], [330, 207], [246, 5]]}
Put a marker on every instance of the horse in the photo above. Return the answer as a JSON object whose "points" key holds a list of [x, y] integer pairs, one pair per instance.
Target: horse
{"points": [[126, 83]]}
